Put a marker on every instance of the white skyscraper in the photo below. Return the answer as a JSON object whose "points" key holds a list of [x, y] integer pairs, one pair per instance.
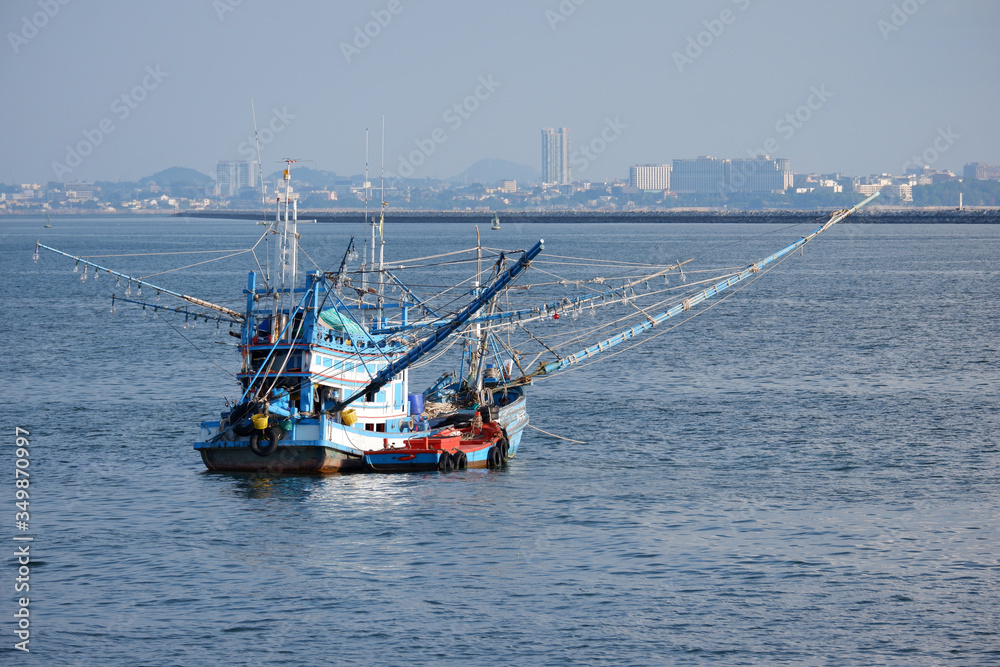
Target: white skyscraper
{"points": [[555, 155], [233, 175]]}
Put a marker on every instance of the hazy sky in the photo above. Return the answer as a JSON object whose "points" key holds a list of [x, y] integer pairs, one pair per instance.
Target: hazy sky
{"points": [[113, 90]]}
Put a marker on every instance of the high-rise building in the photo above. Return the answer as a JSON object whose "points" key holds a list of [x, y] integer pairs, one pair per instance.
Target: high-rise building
{"points": [[650, 176], [233, 175], [555, 155]]}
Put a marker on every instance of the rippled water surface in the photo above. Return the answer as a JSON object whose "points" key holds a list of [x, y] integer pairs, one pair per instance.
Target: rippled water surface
{"points": [[806, 474]]}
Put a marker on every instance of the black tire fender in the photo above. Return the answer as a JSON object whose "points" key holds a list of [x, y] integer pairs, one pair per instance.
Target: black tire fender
{"points": [[269, 436]]}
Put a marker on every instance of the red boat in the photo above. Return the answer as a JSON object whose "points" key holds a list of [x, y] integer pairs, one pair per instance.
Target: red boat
{"points": [[455, 448]]}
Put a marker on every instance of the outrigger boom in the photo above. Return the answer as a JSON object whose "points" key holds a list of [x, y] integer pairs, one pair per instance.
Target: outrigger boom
{"points": [[691, 301], [139, 281]]}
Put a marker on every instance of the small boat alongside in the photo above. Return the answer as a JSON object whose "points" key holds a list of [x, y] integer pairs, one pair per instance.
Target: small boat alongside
{"points": [[476, 445]]}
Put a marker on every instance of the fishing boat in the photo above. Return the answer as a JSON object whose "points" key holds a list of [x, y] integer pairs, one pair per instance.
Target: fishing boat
{"points": [[326, 356]]}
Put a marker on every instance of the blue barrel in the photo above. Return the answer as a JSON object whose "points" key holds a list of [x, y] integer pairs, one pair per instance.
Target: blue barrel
{"points": [[416, 404]]}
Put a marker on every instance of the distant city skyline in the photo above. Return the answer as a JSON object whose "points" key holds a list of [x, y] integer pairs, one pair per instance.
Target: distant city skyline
{"points": [[120, 90], [737, 174]]}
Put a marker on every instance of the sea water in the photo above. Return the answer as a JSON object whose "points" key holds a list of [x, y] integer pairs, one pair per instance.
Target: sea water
{"points": [[805, 474]]}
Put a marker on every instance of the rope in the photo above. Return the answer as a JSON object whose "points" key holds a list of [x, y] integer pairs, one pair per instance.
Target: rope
{"points": [[579, 442]]}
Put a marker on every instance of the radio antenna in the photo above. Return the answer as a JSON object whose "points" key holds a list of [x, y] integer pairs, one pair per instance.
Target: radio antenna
{"points": [[260, 165]]}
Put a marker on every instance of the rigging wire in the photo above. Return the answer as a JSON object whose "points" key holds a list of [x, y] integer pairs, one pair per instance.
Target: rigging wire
{"points": [[646, 339], [203, 353], [208, 261], [161, 254]]}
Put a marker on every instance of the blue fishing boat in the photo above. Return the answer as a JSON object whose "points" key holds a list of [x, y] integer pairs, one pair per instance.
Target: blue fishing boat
{"points": [[324, 382]]}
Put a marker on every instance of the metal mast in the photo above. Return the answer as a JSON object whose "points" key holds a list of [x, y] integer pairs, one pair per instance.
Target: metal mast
{"points": [[479, 337], [369, 259], [288, 248], [381, 237]]}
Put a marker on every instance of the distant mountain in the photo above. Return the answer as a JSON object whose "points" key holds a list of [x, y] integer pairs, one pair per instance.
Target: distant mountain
{"points": [[489, 171], [177, 175]]}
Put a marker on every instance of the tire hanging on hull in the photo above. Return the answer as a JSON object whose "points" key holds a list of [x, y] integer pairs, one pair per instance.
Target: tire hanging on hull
{"points": [[269, 437]]}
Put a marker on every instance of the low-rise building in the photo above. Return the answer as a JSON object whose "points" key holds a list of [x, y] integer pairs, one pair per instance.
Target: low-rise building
{"points": [[981, 171]]}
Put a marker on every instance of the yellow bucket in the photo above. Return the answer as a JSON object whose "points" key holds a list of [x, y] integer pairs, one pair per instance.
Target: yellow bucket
{"points": [[349, 417], [260, 422]]}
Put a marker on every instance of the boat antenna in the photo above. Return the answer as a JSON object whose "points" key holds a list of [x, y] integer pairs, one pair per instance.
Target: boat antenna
{"points": [[366, 185], [260, 165], [381, 236]]}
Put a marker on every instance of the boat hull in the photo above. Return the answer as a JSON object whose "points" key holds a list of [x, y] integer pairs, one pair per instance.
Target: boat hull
{"points": [[288, 458], [298, 456], [402, 461]]}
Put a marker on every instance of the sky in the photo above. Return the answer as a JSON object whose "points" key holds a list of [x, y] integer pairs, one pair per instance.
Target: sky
{"points": [[118, 90]]}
